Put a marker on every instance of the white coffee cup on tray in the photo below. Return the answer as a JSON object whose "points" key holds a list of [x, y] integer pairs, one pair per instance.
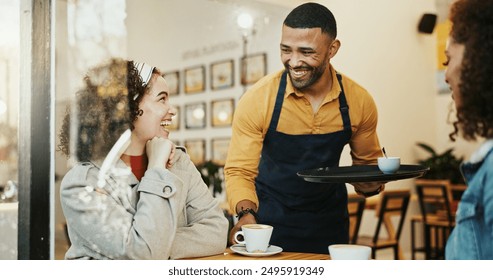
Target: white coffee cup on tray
{"points": [[256, 237], [389, 165]]}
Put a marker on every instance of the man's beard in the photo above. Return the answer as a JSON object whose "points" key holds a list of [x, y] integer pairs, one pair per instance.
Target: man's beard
{"points": [[314, 75]]}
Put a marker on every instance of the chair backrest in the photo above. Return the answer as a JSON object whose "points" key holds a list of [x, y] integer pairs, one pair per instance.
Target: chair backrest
{"points": [[392, 204], [435, 199], [456, 191], [356, 205]]}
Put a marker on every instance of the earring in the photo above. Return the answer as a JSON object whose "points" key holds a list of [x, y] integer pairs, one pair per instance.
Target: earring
{"points": [[140, 112]]}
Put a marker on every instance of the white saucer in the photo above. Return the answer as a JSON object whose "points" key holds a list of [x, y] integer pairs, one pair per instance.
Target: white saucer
{"points": [[241, 249]]}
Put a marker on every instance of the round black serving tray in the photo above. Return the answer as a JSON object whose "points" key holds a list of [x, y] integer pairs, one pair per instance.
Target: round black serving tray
{"points": [[361, 174]]}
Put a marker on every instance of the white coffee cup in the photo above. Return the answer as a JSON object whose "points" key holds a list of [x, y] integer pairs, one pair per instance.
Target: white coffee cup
{"points": [[349, 252], [256, 237], [389, 165]]}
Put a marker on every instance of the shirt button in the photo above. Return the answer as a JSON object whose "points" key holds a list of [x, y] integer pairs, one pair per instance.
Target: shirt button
{"points": [[167, 190]]}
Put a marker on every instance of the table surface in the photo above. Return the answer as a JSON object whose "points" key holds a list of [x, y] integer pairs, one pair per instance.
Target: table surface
{"points": [[230, 255]]}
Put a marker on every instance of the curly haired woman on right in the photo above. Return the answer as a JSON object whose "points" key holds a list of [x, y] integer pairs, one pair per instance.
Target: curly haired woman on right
{"points": [[470, 76]]}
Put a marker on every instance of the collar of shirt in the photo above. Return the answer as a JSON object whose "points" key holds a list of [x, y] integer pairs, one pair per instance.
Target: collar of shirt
{"points": [[481, 153], [331, 95]]}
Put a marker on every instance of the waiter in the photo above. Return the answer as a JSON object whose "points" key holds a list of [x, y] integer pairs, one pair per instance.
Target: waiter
{"points": [[295, 119]]}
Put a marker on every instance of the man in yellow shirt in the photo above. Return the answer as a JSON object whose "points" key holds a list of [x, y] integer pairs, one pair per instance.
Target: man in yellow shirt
{"points": [[296, 119]]}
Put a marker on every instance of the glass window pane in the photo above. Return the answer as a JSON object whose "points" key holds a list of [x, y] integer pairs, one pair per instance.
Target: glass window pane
{"points": [[9, 93], [89, 32]]}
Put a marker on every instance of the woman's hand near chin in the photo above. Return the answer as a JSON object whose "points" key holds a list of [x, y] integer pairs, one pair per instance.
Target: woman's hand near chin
{"points": [[160, 152], [171, 157]]}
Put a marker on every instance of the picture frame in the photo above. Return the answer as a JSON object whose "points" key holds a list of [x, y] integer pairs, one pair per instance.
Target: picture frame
{"points": [[175, 121], [253, 68], [196, 150], [219, 147], [173, 80], [195, 79], [195, 115], [222, 74], [222, 112]]}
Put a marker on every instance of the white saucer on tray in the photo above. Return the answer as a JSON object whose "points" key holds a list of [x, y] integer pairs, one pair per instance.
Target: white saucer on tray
{"points": [[241, 249]]}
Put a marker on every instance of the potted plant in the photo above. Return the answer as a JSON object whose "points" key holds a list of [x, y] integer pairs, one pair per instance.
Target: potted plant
{"points": [[213, 176], [443, 166]]}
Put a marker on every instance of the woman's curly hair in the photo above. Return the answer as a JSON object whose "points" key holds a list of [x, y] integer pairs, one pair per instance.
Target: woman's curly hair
{"points": [[105, 108], [472, 25]]}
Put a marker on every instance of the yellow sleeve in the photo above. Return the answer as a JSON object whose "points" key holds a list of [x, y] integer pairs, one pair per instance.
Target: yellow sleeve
{"points": [[245, 147], [250, 124], [364, 143]]}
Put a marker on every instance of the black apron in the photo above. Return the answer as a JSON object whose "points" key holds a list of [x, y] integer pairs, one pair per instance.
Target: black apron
{"points": [[307, 217]]}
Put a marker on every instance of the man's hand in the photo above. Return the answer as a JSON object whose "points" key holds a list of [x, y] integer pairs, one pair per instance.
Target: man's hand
{"points": [[245, 219], [369, 189]]}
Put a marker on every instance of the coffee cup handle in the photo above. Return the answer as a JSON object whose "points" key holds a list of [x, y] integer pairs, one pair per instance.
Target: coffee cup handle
{"points": [[236, 237]]}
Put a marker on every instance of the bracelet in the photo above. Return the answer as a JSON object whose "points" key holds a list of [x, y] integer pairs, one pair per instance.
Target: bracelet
{"points": [[243, 212], [375, 192]]}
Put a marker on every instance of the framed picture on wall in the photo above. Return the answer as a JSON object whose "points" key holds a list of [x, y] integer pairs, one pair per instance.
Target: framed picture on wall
{"points": [[253, 67], [195, 115], [220, 148], [196, 150], [173, 80], [195, 79], [222, 112], [222, 74], [175, 121]]}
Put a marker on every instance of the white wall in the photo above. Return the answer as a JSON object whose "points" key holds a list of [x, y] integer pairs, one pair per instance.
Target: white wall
{"points": [[204, 32]]}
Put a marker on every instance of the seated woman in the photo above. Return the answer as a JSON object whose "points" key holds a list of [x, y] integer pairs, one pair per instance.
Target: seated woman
{"points": [[469, 72], [132, 194]]}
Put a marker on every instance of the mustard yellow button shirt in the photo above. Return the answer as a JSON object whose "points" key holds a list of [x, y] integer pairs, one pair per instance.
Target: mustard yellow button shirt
{"points": [[252, 119]]}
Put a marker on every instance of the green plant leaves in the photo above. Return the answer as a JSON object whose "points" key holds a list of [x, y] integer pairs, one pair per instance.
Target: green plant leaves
{"points": [[212, 175], [442, 166]]}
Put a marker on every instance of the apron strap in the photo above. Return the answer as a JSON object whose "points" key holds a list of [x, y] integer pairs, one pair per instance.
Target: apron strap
{"points": [[279, 100], [343, 107]]}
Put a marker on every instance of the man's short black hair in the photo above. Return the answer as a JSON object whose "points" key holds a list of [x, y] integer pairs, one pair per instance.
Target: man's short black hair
{"points": [[312, 15]]}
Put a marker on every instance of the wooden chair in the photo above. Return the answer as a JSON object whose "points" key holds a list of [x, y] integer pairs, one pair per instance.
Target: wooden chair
{"points": [[436, 217], [393, 206], [356, 205], [456, 191]]}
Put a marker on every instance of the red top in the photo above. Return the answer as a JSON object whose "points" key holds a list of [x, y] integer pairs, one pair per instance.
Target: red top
{"points": [[138, 164]]}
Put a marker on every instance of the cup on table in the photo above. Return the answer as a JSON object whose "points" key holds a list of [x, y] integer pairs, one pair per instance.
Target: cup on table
{"points": [[389, 165], [349, 252], [256, 237]]}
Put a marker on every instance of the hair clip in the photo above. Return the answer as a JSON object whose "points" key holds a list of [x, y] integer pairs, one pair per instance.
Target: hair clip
{"points": [[145, 73]]}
